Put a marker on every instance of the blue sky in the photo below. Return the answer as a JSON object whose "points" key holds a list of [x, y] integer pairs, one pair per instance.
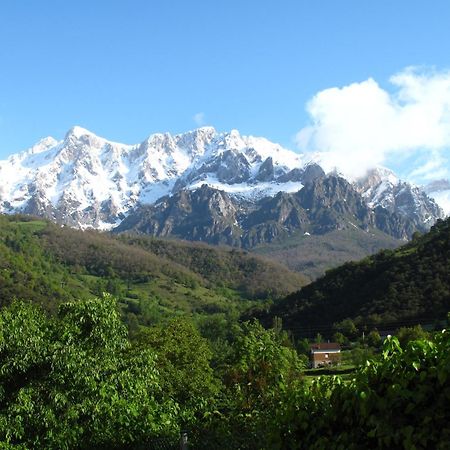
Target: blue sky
{"points": [[126, 69]]}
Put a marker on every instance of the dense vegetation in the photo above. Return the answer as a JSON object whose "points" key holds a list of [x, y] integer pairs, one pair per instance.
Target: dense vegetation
{"points": [[411, 283], [152, 279], [253, 276], [73, 376], [397, 402], [75, 380]]}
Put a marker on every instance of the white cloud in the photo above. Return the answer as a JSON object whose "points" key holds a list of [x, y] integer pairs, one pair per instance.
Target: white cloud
{"points": [[362, 125], [199, 119], [434, 167]]}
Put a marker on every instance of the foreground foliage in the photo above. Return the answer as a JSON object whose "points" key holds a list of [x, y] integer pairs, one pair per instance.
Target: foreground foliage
{"points": [[399, 402], [77, 381]]}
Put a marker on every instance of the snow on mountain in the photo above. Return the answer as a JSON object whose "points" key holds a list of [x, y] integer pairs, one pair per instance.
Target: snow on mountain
{"points": [[87, 181], [249, 191], [68, 181], [377, 187], [381, 187]]}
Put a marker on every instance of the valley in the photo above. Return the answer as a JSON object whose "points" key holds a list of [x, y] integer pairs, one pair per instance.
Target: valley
{"points": [[183, 281]]}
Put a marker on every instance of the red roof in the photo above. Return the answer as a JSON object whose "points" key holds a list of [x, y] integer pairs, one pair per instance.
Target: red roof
{"points": [[326, 346]]}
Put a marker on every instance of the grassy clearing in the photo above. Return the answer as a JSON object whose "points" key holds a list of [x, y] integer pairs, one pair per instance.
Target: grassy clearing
{"points": [[32, 226], [345, 371]]}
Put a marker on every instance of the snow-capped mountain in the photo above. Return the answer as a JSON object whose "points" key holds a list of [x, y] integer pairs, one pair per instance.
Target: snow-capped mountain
{"points": [[87, 181], [381, 187]]}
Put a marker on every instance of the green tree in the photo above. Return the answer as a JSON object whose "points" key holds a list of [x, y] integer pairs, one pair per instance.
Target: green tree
{"points": [[219, 330], [407, 334], [262, 370], [75, 382], [374, 339], [183, 360], [347, 327], [262, 365], [304, 347], [340, 338]]}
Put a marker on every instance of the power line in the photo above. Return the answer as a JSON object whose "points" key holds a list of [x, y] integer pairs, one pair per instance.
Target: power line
{"points": [[380, 326]]}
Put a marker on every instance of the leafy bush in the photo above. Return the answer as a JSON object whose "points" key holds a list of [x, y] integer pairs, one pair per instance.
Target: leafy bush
{"points": [[76, 382], [399, 402]]}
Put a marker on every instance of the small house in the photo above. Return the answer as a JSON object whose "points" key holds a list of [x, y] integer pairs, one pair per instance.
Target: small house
{"points": [[325, 354]]}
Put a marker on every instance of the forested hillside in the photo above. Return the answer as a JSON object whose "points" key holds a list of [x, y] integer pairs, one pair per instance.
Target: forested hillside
{"points": [[411, 282], [254, 276], [47, 264]]}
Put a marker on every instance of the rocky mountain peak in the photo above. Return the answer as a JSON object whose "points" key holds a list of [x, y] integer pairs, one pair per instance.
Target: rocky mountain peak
{"points": [[78, 136], [375, 177], [78, 132], [87, 181], [381, 187], [43, 145], [326, 204], [196, 141]]}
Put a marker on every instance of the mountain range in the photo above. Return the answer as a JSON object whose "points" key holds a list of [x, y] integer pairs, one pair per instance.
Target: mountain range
{"points": [[221, 188], [87, 181]]}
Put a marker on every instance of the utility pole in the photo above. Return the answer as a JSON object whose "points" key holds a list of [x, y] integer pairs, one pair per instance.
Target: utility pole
{"points": [[183, 440]]}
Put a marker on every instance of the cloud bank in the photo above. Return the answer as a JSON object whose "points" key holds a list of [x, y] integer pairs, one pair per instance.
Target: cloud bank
{"points": [[362, 125]]}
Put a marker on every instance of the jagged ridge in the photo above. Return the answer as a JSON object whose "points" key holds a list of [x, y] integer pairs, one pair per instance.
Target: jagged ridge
{"points": [[326, 203], [87, 181]]}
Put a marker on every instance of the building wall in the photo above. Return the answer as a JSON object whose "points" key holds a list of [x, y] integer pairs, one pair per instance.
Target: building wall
{"points": [[325, 358]]}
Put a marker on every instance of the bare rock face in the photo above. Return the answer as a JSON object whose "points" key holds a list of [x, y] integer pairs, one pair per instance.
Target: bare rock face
{"points": [[210, 215], [312, 172], [206, 215], [394, 224], [266, 171], [305, 175], [333, 203]]}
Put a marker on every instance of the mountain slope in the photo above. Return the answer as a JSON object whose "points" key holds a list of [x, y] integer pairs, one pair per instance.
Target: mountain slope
{"points": [[312, 255], [411, 282], [380, 187], [47, 264], [254, 277]]}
